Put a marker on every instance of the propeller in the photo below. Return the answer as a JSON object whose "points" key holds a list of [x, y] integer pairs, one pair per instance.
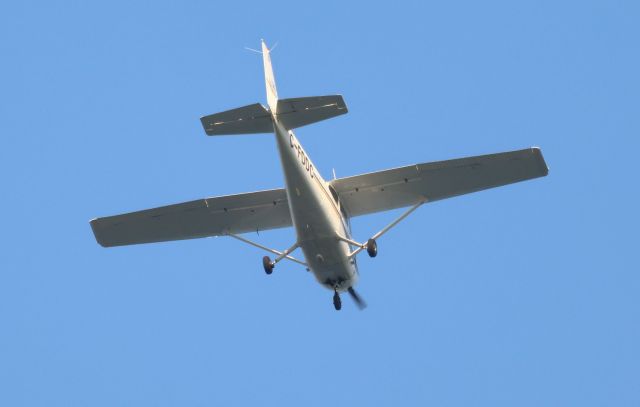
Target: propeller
{"points": [[357, 299]]}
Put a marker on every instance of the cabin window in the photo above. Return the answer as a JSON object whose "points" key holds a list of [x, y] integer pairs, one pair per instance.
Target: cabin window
{"points": [[334, 194], [343, 212]]}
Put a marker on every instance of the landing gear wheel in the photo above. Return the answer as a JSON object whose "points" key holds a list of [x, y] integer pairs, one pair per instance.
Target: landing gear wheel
{"points": [[336, 301], [267, 264], [372, 248]]}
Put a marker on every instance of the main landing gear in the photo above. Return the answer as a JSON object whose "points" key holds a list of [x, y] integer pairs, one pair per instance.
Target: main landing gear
{"points": [[267, 264], [372, 248]]}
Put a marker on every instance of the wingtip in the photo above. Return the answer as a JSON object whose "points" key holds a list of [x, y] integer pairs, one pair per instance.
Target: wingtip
{"points": [[94, 228], [543, 164]]}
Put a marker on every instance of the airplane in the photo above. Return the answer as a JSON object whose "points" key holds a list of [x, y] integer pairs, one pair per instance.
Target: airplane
{"points": [[318, 210]]}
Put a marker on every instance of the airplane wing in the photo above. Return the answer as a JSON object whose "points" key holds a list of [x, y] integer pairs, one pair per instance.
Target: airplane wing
{"points": [[240, 213], [405, 186]]}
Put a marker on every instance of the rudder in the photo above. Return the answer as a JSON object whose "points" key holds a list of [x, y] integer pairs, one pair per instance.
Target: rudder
{"points": [[270, 82]]}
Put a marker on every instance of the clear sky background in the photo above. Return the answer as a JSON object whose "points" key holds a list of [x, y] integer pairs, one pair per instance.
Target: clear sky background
{"points": [[521, 296]]}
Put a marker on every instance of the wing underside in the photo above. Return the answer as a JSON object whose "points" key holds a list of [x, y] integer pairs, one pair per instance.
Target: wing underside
{"points": [[400, 187], [249, 212], [360, 194]]}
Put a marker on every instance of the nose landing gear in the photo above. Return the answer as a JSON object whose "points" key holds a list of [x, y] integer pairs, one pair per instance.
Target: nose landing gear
{"points": [[337, 303]]}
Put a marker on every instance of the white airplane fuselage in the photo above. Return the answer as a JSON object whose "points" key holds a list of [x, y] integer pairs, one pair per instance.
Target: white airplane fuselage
{"points": [[316, 215]]}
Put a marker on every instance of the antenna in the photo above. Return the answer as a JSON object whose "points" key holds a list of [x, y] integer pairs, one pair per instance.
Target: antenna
{"points": [[333, 170], [254, 50]]}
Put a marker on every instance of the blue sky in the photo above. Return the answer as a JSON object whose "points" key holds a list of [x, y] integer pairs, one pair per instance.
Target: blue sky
{"points": [[525, 295]]}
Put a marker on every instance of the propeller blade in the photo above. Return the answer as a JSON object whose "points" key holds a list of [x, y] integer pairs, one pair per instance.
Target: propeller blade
{"points": [[357, 299]]}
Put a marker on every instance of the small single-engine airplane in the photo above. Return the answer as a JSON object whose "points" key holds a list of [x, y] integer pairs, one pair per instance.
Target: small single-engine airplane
{"points": [[318, 210]]}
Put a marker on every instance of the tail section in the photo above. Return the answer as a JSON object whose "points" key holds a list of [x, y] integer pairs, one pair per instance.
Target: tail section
{"points": [[290, 113], [272, 93]]}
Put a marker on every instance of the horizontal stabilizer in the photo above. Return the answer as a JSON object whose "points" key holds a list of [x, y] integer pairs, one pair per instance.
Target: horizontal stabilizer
{"points": [[298, 112], [249, 119]]}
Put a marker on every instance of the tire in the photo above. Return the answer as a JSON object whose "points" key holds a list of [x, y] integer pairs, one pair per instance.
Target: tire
{"points": [[337, 303], [267, 264], [372, 248]]}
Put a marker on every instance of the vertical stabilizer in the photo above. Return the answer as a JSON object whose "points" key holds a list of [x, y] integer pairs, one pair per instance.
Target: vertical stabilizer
{"points": [[272, 93]]}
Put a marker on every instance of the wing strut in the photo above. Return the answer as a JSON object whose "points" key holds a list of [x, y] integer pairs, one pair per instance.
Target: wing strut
{"points": [[371, 241], [281, 255]]}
